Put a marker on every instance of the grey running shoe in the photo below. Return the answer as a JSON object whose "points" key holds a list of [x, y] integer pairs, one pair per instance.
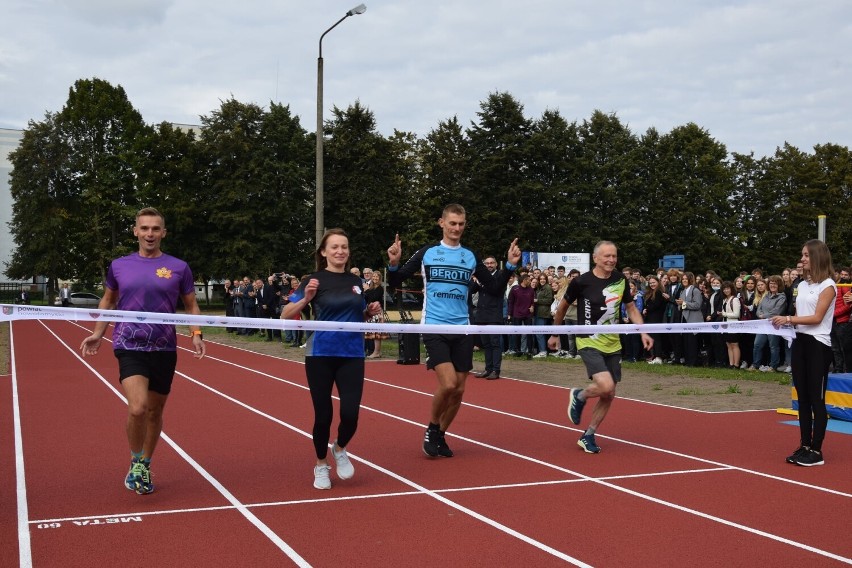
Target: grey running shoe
{"points": [[345, 469], [322, 476]]}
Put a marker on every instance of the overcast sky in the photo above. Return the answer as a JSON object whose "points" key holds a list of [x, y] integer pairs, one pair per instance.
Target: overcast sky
{"points": [[754, 73]]}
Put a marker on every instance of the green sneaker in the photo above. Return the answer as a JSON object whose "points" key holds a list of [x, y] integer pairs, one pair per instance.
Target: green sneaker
{"points": [[134, 476], [144, 485]]}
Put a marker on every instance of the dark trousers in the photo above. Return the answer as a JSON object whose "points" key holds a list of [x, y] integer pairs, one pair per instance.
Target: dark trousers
{"points": [[492, 348], [718, 350], [522, 343], [746, 342], [841, 345], [323, 373], [690, 349]]}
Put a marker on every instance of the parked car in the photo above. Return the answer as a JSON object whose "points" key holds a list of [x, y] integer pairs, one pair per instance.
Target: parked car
{"points": [[81, 300], [409, 301]]}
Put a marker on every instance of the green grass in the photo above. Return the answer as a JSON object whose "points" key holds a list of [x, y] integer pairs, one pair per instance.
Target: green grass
{"points": [[721, 374], [731, 389]]}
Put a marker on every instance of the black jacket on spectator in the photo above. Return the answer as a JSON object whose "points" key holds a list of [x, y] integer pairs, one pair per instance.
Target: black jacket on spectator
{"points": [[489, 307]]}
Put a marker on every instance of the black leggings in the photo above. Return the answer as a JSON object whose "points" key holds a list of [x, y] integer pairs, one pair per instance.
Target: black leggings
{"points": [[323, 373], [810, 362]]}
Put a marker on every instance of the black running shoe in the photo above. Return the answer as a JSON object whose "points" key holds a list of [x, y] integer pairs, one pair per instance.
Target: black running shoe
{"points": [[798, 453], [431, 442], [443, 449], [810, 458]]}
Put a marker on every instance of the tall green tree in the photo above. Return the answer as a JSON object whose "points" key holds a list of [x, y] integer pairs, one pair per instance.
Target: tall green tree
{"points": [[169, 179], [553, 149], [833, 184], [41, 205], [88, 174], [286, 161], [101, 127], [501, 202], [605, 190], [256, 184], [363, 184], [697, 183], [445, 162]]}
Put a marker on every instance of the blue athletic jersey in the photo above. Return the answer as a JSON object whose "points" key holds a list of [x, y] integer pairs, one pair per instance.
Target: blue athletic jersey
{"points": [[339, 297], [447, 272]]}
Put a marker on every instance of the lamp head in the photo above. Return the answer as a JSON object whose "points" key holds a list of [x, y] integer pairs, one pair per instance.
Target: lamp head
{"points": [[359, 9]]}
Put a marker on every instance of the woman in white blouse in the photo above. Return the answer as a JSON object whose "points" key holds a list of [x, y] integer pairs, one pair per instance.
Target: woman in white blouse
{"points": [[812, 354]]}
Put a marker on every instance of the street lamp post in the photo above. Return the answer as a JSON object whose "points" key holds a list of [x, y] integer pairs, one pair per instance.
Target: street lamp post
{"points": [[320, 219]]}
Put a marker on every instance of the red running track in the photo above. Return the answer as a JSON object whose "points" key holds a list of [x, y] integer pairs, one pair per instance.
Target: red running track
{"points": [[234, 475]]}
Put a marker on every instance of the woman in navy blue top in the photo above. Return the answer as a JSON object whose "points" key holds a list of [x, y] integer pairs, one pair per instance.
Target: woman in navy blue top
{"points": [[333, 357]]}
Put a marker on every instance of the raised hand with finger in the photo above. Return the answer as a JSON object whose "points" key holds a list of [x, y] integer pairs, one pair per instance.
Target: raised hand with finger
{"points": [[395, 251]]}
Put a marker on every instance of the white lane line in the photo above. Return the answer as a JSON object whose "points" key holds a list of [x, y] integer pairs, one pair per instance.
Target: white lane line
{"points": [[25, 553], [366, 497], [265, 530]]}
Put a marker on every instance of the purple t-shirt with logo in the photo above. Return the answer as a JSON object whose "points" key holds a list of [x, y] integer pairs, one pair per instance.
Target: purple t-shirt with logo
{"points": [[148, 285]]}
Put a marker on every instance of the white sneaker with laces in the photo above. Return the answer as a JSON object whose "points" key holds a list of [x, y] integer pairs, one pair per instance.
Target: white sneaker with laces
{"points": [[743, 365], [322, 477], [540, 355], [345, 469]]}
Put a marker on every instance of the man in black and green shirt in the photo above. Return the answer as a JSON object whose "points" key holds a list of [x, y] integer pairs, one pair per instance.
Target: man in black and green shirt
{"points": [[599, 294]]}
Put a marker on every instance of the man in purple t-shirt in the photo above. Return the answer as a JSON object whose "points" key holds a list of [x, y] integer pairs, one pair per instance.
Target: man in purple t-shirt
{"points": [[147, 281]]}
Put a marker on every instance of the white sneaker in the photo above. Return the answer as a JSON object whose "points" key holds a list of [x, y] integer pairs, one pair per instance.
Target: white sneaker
{"points": [[322, 479], [345, 469], [788, 369], [303, 345], [540, 355], [743, 365], [656, 361]]}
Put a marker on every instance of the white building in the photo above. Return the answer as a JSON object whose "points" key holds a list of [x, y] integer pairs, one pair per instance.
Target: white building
{"points": [[9, 141]]}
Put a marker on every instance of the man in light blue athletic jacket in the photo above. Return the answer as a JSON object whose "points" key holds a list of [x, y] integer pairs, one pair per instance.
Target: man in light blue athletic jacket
{"points": [[447, 269]]}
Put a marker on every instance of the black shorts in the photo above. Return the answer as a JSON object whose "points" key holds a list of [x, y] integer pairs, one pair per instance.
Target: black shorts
{"points": [[597, 362], [156, 366], [456, 349]]}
